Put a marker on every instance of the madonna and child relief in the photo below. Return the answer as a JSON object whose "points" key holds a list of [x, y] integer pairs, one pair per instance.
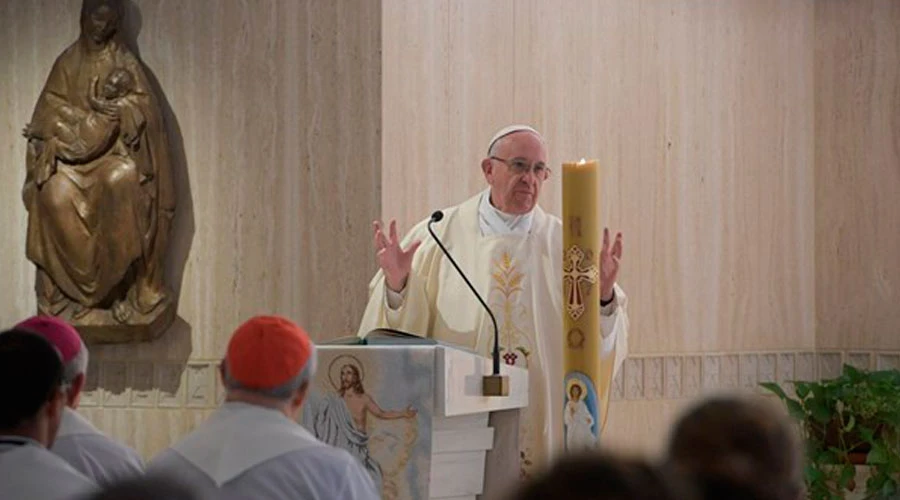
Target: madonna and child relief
{"points": [[377, 404]]}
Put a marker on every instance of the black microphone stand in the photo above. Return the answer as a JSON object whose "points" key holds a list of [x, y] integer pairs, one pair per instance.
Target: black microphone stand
{"points": [[495, 384]]}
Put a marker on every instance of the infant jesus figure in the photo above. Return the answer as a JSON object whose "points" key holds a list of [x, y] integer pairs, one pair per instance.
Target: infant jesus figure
{"points": [[76, 136]]}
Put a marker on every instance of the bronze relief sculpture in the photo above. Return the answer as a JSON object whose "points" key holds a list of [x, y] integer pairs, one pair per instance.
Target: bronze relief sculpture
{"points": [[99, 189]]}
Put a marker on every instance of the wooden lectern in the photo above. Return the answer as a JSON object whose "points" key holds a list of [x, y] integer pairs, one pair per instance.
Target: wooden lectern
{"points": [[428, 431]]}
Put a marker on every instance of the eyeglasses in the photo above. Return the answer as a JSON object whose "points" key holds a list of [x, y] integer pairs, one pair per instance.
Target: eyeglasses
{"points": [[521, 167]]}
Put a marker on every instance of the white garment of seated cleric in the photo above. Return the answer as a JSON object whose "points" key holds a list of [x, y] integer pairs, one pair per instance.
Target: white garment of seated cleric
{"points": [[511, 250], [92, 453], [29, 471], [258, 453], [252, 446]]}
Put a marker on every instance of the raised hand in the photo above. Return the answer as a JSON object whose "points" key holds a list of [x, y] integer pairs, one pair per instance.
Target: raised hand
{"points": [[395, 262], [609, 264]]}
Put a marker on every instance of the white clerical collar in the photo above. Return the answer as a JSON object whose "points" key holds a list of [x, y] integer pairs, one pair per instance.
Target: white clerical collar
{"points": [[492, 221], [10, 442]]}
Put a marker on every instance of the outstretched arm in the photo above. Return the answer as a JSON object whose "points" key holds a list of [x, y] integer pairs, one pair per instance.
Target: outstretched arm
{"points": [[376, 410], [406, 307]]}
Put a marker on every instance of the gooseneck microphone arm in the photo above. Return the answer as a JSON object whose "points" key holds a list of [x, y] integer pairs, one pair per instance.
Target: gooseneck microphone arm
{"points": [[436, 217]]}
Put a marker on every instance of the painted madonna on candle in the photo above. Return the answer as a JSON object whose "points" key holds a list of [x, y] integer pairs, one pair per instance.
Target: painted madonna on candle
{"points": [[98, 187], [511, 250]]}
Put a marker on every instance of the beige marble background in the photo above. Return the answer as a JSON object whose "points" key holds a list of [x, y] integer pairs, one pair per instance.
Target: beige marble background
{"points": [[749, 147], [700, 113], [857, 184]]}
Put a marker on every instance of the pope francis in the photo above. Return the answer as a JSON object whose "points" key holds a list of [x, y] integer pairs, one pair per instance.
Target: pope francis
{"points": [[511, 250]]}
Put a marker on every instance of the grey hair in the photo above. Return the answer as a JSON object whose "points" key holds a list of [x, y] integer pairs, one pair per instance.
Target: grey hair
{"points": [[77, 365], [496, 144], [284, 391]]}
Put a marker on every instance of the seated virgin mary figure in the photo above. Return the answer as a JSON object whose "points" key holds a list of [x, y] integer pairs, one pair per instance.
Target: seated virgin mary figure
{"points": [[98, 185]]}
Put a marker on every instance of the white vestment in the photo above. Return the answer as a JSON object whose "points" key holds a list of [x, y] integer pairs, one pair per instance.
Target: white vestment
{"points": [[92, 453], [578, 422], [28, 471], [247, 451], [519, 273]]}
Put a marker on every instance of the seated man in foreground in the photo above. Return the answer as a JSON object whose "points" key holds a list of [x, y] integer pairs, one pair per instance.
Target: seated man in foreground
{"points": [[31, 391], [78, 442], [739, 447], [252, 446]]}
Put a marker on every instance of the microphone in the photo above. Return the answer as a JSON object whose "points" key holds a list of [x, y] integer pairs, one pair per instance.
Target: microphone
{"points": [[494, 384]]}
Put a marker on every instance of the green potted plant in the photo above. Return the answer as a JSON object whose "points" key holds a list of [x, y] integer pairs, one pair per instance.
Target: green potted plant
{"points": [[850, 420]]}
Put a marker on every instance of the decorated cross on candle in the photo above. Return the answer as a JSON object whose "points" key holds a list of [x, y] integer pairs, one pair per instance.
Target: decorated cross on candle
{"points": [[579, 276]]}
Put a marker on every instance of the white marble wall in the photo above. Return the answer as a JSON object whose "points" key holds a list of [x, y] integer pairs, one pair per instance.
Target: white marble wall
{"points": [[858, 174], [701, 117]]}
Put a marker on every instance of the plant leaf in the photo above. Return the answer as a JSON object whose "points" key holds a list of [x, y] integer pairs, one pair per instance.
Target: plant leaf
{"points": [[813, 474], [852, 372], [826, 457], [878, 455], [775, 389], [886, 376], [819, 410], [851, 423], [795, 409], [867, 434], [848, 472], [889, 489], [876, 482]]}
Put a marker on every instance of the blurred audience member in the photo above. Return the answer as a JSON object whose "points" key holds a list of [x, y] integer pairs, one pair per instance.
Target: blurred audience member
{"points": [[604, 477], [148, 488], [738, 448]]}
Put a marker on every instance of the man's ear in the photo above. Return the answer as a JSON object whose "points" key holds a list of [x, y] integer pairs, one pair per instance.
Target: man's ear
{"points": [[75, 389], [54, 407], [300, 394], [487, 167]]}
